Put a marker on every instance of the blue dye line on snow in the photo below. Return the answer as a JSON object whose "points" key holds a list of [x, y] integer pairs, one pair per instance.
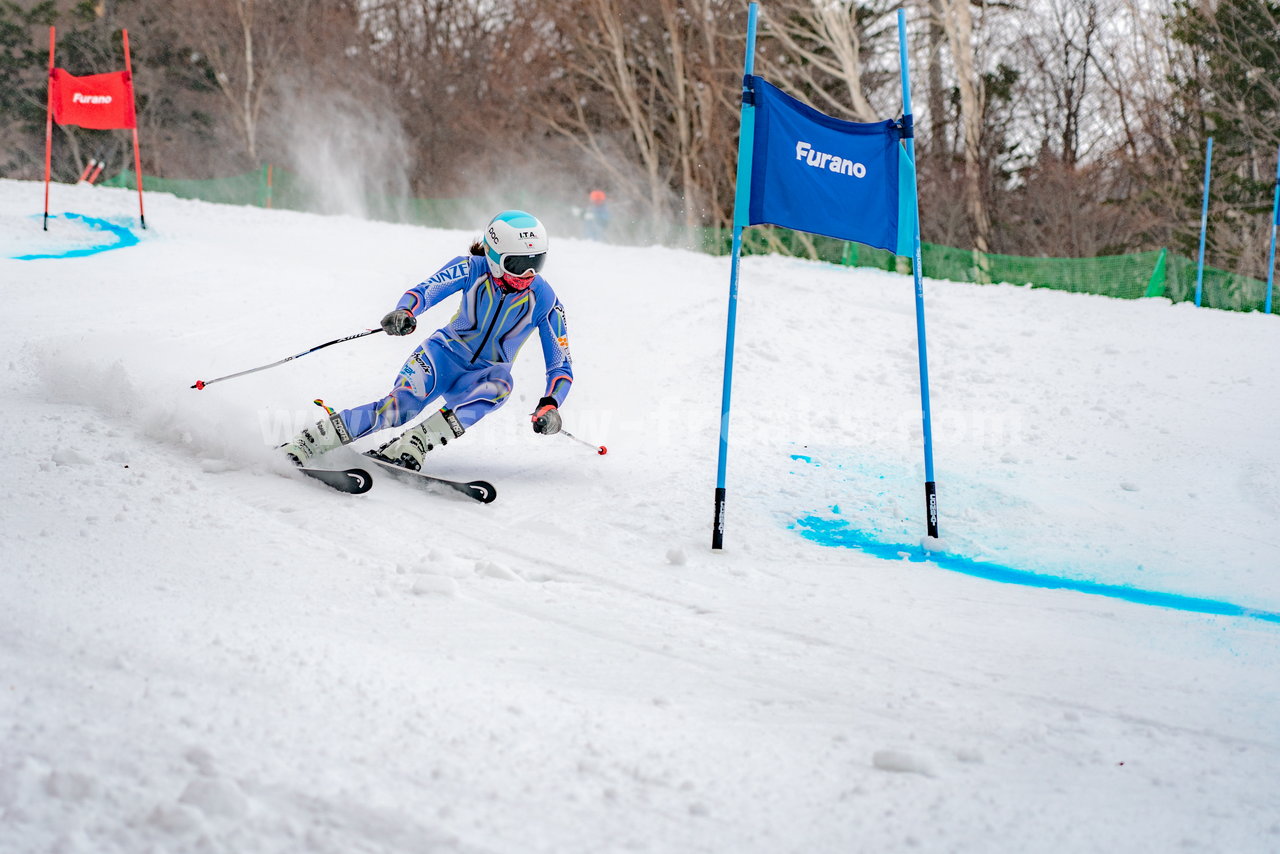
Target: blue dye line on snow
{"points": [[123, 236], [837, 533]]}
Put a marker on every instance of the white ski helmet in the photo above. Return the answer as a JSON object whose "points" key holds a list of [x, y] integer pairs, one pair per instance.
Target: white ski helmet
{"points": [[515, 244]]}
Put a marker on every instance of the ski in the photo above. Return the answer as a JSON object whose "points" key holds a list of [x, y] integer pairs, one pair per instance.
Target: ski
{"points": [[478, 490], [352, 481]]}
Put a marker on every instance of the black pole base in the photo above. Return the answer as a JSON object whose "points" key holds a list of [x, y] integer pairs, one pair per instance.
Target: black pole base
{"points": [[717, 527], [931, 507]]}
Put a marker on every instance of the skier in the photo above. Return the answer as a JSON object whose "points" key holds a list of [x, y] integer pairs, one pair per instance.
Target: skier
{"points": [[467, 362]]}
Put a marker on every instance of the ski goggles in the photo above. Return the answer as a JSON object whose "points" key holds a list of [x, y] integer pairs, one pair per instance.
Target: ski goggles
{"points": [[523, 266]]}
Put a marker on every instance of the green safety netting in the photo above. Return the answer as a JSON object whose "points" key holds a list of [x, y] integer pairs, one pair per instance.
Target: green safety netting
{"points": [[1220, 288], [278, 188], [1157, 273], [1140, 274], [248, 189]]}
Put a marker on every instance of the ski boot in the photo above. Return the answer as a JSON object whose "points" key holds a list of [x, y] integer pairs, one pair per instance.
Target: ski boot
{"points": [[320, 439], [408, 449]]}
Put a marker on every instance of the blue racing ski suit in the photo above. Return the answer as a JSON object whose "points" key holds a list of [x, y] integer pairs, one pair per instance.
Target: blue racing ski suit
{"points": [[467, 361]]}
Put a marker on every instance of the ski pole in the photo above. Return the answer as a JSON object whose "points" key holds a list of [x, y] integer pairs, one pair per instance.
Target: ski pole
{"points": [[599, 449], [199, 384]]}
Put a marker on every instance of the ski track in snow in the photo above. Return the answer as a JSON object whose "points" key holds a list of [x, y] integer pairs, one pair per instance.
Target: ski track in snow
{"points": [[202, 651]]}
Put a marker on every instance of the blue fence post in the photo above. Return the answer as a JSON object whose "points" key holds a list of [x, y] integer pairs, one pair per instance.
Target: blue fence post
{"points": [[1275, 221], [930, 487], [742, 198], [1204, 219]]}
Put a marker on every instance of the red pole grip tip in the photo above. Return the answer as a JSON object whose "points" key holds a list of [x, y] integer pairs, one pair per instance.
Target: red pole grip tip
{"points": [[199, 384], [603, 450]]}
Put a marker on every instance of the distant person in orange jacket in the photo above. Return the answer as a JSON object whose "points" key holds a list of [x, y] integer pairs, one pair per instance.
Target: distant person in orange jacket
{"points": [[596, 217]]}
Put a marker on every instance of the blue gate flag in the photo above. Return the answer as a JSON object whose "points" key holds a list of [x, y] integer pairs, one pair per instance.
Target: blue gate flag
{"points": [[816, 173]]}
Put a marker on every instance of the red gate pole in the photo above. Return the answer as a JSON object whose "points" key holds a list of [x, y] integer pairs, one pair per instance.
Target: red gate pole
{"points": [[48, 131], [137, 156]]}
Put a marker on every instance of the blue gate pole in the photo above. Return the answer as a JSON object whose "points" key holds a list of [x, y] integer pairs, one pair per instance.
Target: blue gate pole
{"points": [[1204, 219], [930, 487], [1275, 221], [741, 202]]}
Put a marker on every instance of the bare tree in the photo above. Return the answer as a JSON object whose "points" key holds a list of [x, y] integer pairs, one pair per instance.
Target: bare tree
{"points": [[459, 73], [1059, 46], [937, 93], [837, 54], [245, 46], [957, 22], [224, 32], [641, 93]]}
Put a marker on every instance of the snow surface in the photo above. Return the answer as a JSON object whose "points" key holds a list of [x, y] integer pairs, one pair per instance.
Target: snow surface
{"points": [[202, 651]]}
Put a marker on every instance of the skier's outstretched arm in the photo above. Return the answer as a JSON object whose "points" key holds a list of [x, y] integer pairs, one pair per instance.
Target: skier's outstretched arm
{"points": [[445, 282], [555, 352]]}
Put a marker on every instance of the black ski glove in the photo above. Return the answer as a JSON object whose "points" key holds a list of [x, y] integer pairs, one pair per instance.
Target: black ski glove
{"points": [[546, 418], [399, 322]]}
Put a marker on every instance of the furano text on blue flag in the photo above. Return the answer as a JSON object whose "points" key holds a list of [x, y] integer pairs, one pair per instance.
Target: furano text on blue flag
{"points": [[822, 160]]}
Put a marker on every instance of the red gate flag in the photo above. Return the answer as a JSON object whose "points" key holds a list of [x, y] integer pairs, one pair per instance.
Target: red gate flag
{"points": [[98, 101]]}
